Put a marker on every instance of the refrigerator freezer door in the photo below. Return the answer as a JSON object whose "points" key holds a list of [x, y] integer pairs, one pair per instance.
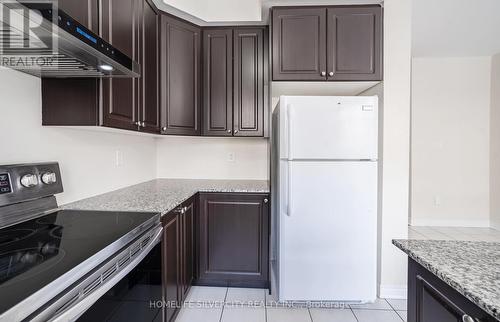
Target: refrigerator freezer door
{"points": [[328, 128], [328, 231]]}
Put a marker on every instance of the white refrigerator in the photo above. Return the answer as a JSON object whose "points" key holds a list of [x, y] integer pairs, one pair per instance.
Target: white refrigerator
{"points": [[324, 245]]}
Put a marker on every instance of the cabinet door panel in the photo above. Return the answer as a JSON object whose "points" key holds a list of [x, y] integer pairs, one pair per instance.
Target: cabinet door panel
{"points": [[299, 44], [83, 11], [354, 43], [171, 265], [233, 240], [218, 78], [249, 82], [181, 44], [150, 103], [120, 96], [187, 247]]}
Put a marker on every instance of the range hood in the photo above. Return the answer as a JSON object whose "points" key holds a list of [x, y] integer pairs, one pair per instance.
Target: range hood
{"points": [[39, 39]]}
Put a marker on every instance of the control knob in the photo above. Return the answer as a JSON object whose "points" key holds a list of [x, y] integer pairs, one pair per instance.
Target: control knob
{"points": [[49, 178], [29, 180]]}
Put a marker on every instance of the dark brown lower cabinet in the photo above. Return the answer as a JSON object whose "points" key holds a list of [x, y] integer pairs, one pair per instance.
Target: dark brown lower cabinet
{"points": [[171, 266], [177, 257], [233, 239], [432, 300]]}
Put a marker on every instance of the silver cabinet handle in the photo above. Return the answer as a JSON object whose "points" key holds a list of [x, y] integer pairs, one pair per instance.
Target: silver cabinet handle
{"points": [[229, 131], [323, 73], [235, 131], [467, 318], [164, 128], [143, 124], [266, 200], [331, 74], [137, 123]]}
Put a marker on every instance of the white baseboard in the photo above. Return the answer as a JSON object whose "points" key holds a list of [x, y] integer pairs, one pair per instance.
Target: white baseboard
{"points": [[495, 224], [393, 292], [450, 223]]}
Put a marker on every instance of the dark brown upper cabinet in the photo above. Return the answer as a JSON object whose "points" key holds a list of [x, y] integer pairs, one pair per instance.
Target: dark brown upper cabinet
{"points": [[354, 43], [83, 11], [233, 240], [299, 43], [133, 26], [234, 95], [248, 109], [120, 97], [218, 82], [149, 108], [181, 55], [337, 43]]}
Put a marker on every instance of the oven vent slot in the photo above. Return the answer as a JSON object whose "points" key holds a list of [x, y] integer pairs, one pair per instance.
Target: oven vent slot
{"points": [[108, 273], [123, 260], [145, 241], [135, 250], [92, 286], [68, 303]]}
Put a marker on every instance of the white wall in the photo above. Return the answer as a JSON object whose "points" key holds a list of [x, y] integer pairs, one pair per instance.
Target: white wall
{"points": [[395, 146], [209, 158], [450, 141], [87, 159], [495, 143], [219, 10]]}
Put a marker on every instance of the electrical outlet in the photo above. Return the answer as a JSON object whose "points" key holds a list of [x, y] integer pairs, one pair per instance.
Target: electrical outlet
{"points": [[119, 158], [231, 157]]}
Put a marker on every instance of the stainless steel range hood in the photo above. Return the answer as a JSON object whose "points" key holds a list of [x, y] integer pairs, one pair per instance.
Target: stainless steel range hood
{"points": [[39, 39]]}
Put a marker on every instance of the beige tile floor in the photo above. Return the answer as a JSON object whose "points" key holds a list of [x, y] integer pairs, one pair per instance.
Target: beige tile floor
{"points": [[220, 304]]}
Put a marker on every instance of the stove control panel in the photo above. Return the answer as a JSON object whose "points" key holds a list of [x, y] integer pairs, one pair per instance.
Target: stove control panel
{"points": [[22, 182], [5, 185]]}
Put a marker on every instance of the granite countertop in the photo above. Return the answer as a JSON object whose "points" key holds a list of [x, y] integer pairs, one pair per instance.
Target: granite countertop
{"points": [[470, 267], [163, 195]]}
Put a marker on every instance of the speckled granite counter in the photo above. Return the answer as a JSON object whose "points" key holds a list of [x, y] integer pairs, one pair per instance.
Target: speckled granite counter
{"points": [[163, 195], [472, 268]]}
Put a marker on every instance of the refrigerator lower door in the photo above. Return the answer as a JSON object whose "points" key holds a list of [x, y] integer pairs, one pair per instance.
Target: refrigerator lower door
{"points": [[328, 231]]}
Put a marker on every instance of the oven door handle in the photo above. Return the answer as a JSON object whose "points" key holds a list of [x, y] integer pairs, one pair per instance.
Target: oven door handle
{"points": [[72, 313]]}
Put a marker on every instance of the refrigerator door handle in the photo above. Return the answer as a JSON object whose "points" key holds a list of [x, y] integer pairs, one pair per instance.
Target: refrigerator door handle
{"points": [[289, 190], [289, 131]]}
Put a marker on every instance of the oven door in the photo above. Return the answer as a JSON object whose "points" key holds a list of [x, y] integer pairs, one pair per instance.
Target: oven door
{"points": [[127, 285]]}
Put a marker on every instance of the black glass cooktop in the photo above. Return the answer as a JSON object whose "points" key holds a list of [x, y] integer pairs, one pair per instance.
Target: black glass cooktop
{"points": [[37, 252]]}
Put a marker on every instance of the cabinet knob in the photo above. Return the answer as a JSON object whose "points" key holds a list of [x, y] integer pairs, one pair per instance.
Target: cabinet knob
{"points": [[266, 200], [331, 74], [137, 123], [143, 124], [467, 318], [164, 128], [235, 131], [323, 73], [228, 131]]}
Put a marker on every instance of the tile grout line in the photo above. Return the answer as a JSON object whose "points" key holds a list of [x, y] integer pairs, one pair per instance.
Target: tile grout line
{"points": [[354, 314], [395, 311], [310, 315], [223, 305]]}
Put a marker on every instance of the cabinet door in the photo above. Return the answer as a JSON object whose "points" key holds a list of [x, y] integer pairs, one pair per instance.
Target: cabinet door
{"points": [[181, 57], [299, 44], [171, 265], [233, 240], [82, 93], [355, 43], [187, 247], [83, 11], [120, 97], [249, 82], [218, 82], [150, 80]]}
